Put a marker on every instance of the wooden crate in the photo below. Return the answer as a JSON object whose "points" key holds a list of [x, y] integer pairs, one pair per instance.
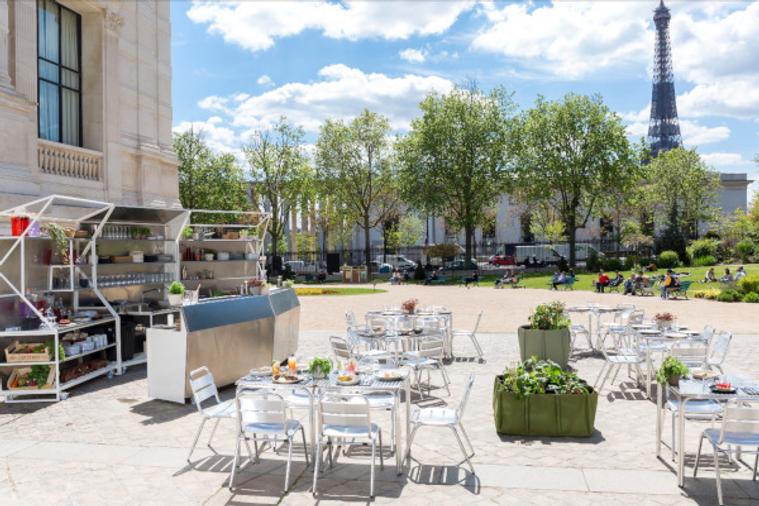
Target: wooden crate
{"points": [[10, 356], [25, 370]]}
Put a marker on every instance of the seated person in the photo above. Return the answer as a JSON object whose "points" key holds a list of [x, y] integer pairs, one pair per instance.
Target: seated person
{"points": [[631, 284], [728, 277], [474, 279], [559, 278], [406, 276], [395, 279], [710, 276], [667, 283], [433, 277], [740, 273], [602, 282], [618, 280]]}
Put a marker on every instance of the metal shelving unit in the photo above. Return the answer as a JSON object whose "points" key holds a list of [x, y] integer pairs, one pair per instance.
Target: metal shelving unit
{"points": [[15, 274]]}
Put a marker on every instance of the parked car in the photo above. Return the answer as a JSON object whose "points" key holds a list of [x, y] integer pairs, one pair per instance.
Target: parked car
{"points": [[397, 261], [460, 264], [380, 267], [501, 260]]}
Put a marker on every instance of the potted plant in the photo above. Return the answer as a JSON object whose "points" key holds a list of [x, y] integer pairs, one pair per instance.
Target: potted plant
{"points": [[319, 367], [176, 293], [539, 398], [61, 243], [547, 336], [670, 371], [187, 233], [409, 306], [664, 321]]}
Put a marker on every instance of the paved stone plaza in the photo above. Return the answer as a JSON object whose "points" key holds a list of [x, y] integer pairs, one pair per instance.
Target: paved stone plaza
{"points": [[110, 444]]}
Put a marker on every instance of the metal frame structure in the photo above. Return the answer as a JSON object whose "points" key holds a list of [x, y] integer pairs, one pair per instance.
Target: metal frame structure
{"points": [[40, 211]]}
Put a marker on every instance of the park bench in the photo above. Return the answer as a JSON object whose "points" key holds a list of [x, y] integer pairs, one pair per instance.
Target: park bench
{"points": [[680, 290], [568, 284], [441, 280]]}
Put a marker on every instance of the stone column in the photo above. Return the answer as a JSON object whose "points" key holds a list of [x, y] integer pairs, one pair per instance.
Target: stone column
{"points": [[5, 32], [112, 149]]}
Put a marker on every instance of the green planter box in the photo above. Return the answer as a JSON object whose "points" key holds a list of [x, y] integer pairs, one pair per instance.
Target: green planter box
{"points": [[543, 414], [545, 344]]}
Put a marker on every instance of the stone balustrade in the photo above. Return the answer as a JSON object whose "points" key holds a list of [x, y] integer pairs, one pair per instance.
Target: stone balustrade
{"points": [[69, 161]]}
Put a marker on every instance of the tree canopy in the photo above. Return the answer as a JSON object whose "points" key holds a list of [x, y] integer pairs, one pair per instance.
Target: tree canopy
{"points": [[454, 161], [570, 154]]}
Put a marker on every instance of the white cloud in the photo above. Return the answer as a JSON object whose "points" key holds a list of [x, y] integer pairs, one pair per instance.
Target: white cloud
{"points": [[256, 25], [341, 93], [214, 103], [218, 137], [698, 135], [413, 55], [725, 160], [264, 80]]}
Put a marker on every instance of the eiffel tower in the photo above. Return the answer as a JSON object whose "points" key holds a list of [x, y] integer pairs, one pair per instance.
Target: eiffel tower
{"points": [[663, 127]]}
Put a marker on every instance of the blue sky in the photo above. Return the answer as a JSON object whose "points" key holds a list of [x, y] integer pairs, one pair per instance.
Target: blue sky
{"points": [[238, 66]]}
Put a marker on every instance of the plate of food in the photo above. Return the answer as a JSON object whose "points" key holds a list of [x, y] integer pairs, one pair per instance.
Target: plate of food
{"points": [[261, 371], [704, 374], [722, 388], [286, 379], [347, 379], [389, 375]]}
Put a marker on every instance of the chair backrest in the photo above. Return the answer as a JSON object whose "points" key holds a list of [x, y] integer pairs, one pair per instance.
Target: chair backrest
{"points": [[465, 397], [740, 419], [477, 323], [345, 411], [707, 334], [202, 386], [430, 347], [260, 406], [376, 322], [430, 324], [718, 348], [380, 361], [350, 318], [340, 347], [636, 317], [691, 353]]}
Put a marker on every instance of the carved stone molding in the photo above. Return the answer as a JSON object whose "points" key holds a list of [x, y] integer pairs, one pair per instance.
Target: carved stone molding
{"points": [[113, 21]]}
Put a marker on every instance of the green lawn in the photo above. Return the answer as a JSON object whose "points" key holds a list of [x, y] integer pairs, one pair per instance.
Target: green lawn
{"points": [[586, 281], [308, 291]]}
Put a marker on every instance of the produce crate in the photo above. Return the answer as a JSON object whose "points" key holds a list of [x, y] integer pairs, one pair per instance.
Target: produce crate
{"points": [[11, 356], [231, 235], [123, 259], [21, 371]]}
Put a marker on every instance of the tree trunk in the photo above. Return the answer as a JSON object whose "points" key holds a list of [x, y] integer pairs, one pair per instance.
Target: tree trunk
{"points": [[468, 246], [572, 239], [274, 241], [367, 249]]}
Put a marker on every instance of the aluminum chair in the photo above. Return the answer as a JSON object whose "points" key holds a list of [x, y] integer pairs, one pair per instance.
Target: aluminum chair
{"points": [[262, 413], [204, 388], [446, 417], [718, 348], [428, 356], [472, 335], [344, 417], [706, 334], [578, 330], [690, 352], [740, 428], [341, 349], [614, 359]]}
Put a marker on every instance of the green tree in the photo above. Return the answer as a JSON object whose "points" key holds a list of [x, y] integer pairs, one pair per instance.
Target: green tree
{"points": [[410, 230], [355, 165], [453, 162], [568, 155], [681, 191], [280, 174], [208, 180]]}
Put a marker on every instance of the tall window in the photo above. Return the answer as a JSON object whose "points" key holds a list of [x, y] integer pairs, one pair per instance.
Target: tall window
{"points": [[59, 73]]}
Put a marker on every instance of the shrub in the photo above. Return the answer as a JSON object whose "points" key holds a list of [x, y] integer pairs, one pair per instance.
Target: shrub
{"points": [[668, 259], [751, 297], [542, 377], [613, 264], [592, 264], [704, 247], [744, 249], [729, 295], [749, 284], [630, 263], [706, 293], [549, 316], [419, 273], [704, 261]]}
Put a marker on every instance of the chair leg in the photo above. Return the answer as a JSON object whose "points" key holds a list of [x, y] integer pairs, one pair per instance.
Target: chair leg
{"points": [[371, 477], [234, 462], [466, 437], [382, 458], [446, 381], [719, 480], [614, 378], [698, 456], [252, 459], [329, 448], [317, 459], [463, 450], [672, 446], [213, 431], [289, 462], [411, 438], [756, 462], [305, 446], [197, 436]]}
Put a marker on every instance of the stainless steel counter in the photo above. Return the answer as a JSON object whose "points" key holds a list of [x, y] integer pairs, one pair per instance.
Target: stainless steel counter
{"points": [[228, 335]]}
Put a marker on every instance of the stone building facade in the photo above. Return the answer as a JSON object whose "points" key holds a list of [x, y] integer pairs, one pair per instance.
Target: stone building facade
{"points": [[85, 101]]}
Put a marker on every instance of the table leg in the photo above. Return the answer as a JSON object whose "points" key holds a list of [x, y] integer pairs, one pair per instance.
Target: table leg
{"points": [[681, 443], [408, 418], [397, 435], [659, 403], [590, 330], [312, 426]]}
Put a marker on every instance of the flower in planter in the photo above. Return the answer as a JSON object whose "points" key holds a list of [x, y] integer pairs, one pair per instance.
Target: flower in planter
{"points": [[549, 316], [409, 306]]}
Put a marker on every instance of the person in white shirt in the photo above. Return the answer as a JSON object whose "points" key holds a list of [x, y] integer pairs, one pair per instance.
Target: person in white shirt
{"points": [[740, 273]]}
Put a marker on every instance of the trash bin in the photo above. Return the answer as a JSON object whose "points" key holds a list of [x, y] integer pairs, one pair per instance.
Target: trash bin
{"points": [[127, 341]]}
